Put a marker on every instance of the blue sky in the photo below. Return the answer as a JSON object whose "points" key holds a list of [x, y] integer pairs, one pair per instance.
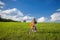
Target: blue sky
{"points": [[36, 8]]}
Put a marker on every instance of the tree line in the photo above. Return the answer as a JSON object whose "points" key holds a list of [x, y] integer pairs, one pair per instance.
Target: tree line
{"points": [[6, 20]]}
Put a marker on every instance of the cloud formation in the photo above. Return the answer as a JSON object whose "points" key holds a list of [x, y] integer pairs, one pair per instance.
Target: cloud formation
{"points": [[27, 17], [13, 14], [17, 15], [41, 19], [13, 11], [55, 16], [58, 10], [2, 4]]}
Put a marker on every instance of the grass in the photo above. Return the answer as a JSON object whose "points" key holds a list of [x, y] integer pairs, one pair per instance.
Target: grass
{"points": [[20, 31]]}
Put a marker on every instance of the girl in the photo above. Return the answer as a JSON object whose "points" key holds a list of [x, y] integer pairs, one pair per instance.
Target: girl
{"points": [[33, 25]]}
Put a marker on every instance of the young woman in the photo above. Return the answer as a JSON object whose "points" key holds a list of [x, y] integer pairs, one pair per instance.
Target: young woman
{"points": [[33, 25]]}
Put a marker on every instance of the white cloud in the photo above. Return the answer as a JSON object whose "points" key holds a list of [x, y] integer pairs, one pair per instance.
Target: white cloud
{"points": [[27, 17], [13, 14], [0, 10], [13, 11], [42, 19], [55, 16], [2, 4], [58, 10], [16, 19]]}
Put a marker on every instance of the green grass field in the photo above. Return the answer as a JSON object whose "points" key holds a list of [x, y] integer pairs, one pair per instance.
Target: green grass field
{"points": [[20, 31]]}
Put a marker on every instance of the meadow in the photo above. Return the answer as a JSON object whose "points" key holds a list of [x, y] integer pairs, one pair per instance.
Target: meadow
{"points": [[20, 31]]}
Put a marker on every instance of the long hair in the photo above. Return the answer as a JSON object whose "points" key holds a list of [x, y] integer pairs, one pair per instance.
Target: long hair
{"points": [[34, 20]]}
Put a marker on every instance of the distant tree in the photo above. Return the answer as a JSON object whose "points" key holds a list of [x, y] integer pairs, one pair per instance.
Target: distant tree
{"points": [[0, 18], [24, 20], [6, 20]]}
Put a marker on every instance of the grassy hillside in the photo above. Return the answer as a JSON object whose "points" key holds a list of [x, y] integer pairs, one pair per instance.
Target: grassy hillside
{"points": [[20, 31]]}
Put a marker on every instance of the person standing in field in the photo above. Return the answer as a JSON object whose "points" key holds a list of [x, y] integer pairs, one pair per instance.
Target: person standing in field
{"points": [[33, 25]]}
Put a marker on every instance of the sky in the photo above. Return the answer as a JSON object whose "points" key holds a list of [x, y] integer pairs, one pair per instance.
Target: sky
{"points": [[42, 10]]}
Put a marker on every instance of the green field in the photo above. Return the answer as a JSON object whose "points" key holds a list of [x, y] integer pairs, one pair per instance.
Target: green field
{"points": [[20, 31]]}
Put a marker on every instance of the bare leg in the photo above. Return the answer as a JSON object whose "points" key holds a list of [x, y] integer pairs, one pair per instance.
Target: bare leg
{"points": [[35, 29]]}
